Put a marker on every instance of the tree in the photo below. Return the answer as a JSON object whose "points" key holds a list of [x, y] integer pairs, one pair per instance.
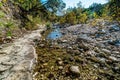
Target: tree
{"points": [[114, 8], [54, 5], [97, 8], [79, 4]]}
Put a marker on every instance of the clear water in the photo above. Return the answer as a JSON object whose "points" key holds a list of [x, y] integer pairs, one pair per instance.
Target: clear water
{"points": [[54, 34]]}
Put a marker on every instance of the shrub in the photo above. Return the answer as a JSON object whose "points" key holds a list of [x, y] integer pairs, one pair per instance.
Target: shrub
{"points": [[82, 18], [62, 20], [71, 18]]}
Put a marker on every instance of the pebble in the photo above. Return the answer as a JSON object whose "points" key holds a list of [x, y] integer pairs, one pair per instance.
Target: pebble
{"points": [[60, 67], [106, 51], [75, 69], [60, 62]]}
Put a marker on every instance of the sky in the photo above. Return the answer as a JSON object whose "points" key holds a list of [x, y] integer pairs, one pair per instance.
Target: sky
{"points": [[85, 3]]}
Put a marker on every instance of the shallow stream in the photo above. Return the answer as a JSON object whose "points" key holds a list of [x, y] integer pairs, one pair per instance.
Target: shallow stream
{"points": [[55, 33]]}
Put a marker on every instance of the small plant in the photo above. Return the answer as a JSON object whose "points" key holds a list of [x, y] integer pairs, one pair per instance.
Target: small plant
{"points": [[48, 25], [9, 33], [2, 14], [8, 24], [1, 4]]}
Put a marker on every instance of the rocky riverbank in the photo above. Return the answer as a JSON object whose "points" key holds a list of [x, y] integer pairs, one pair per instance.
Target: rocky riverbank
{"points": [[84, 52]]}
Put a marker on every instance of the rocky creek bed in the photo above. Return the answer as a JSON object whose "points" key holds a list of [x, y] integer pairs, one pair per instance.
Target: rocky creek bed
{"points": [[83, 52]]}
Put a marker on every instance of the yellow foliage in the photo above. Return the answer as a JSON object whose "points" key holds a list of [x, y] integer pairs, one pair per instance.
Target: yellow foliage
{"points": [[4, 1], [71, 18], [82, 18], [62, 20]]}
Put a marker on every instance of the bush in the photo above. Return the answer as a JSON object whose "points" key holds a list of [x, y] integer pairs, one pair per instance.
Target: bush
{"points": [[82, 18], [71, 18], [62, 20]]}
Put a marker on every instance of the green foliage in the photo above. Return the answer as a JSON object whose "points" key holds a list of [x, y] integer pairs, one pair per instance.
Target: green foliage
{"points": [[95, 15], [97, 8], [54, 5], [9, 33], [8, 24], [1, 4], [32, 25], [114, 8], [52, 17], [2, 14], [27, 4]]}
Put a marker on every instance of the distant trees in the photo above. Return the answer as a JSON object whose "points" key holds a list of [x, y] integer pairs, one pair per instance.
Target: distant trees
{"points": [[54, 5], [96, 8], [74, 15], [47, 10]]}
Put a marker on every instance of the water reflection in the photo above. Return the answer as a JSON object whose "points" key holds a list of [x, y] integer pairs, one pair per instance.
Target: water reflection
{"points": [[55, 34]]}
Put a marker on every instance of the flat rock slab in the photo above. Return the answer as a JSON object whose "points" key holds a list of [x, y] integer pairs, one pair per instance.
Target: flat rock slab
{"points": [[17, 58]]}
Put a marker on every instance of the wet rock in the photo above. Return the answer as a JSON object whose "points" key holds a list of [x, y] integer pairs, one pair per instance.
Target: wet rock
{"points": [[74, 69]]}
